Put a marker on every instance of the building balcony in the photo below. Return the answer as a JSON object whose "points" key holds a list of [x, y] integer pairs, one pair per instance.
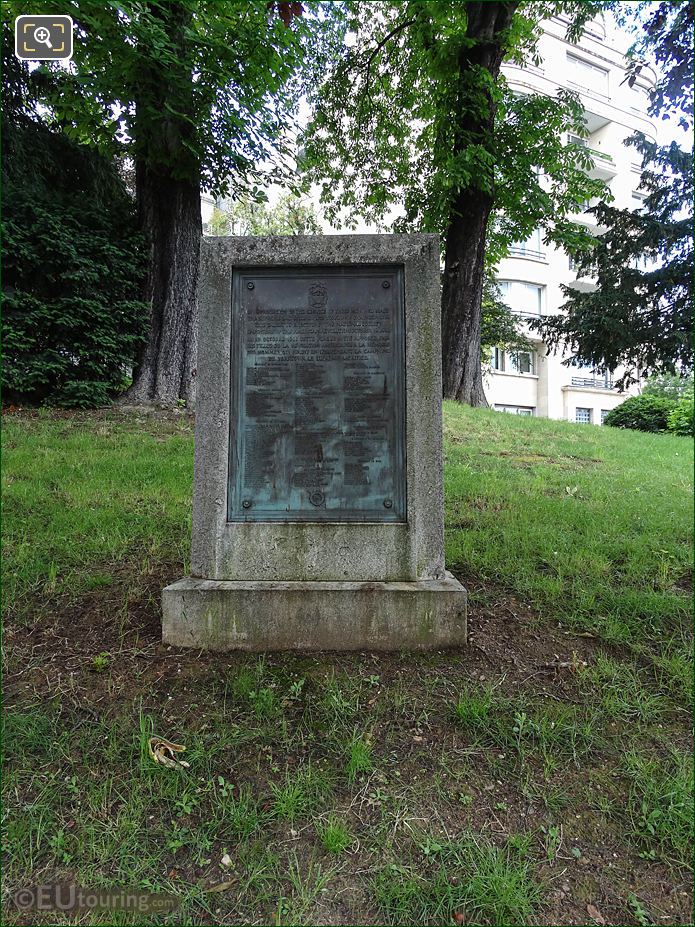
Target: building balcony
{"points": [[595, 27], [604, 167], [520, 250], [587, 219], [592, 383]]}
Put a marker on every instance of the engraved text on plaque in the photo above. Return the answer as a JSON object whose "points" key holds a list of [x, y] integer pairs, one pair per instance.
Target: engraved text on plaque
{"points": [[318, 394]]}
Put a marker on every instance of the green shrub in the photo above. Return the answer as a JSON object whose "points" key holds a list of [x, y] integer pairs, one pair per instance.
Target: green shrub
{"points": [[643, 413], [73, 322], [680, 419]]}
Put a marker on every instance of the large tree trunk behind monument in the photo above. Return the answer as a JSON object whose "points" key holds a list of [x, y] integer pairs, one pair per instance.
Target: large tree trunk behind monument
{"points": [[169, 212], [167, 184], [462, 292], [464, 259]]}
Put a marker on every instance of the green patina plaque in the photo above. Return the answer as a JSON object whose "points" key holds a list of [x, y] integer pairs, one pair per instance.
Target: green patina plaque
{"points": [[318, 394]]}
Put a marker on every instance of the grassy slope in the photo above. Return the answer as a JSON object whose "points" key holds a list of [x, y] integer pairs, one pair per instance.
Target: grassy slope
{"points": [[84, 496], [593, 526], [590, 527]]}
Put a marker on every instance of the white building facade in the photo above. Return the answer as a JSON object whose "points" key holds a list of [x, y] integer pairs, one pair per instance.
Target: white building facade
{"points": [[536, 382]]}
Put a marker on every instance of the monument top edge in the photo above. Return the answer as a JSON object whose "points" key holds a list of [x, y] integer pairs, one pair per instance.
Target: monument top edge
{"points": [[333, 238], [226, 251]]}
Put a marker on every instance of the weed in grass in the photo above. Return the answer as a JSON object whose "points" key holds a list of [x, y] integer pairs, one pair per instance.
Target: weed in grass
{"points": [[58, 842], [187, 803], [359, 758], [177, 838], [552, 841], [660, 806], [641, 916], [294, 692], [265, 703], [473, 707], [622, 693], [334, 835], [241, 811], [100, 663], [470, 877], [225, 789], [301, 792]]}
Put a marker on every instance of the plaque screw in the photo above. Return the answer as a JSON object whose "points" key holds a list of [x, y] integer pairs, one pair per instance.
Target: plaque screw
{"points": [[246, 504], [388, 503], [386, 284], [250, 285]]}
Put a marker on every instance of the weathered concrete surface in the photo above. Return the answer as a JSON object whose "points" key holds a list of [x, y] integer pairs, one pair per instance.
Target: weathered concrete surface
{"points": [[309, 551], [257, 616], [302, 585]]}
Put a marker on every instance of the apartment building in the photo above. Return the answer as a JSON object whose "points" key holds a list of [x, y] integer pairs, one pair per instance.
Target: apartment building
{"points": [[536, 382]]}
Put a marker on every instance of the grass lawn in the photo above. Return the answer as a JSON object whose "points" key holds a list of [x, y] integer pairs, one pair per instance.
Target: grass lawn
{"points": [[543, 775]]}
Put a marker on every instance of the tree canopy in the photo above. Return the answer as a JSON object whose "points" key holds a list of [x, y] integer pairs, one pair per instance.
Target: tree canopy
{"points": [[416, 126], [192, 92], [218, 80]]}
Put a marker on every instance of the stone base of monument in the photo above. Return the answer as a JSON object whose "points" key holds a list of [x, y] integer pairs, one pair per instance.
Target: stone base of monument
{"points": [[257, 616]]}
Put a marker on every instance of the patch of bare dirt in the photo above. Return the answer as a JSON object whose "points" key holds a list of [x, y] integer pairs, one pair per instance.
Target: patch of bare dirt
{"points": [[594, 869]]}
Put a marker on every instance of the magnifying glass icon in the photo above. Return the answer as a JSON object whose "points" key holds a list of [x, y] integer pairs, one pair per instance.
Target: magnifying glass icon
{"points": [[43, 36]]}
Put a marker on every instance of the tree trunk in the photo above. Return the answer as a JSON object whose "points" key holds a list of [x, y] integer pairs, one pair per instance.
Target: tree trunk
{"points": [[464, 258], [169, 212], [462, 291], [167, 183]]}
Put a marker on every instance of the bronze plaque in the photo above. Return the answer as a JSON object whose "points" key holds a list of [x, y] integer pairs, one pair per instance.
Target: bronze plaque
{"points": [[318, 394]]}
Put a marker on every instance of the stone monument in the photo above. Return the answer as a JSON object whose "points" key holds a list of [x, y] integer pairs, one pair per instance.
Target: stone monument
{"points": [[318, 504]]}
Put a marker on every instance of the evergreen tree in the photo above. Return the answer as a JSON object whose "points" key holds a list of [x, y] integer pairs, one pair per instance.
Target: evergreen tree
{"points": [[74, 263], [640, 315]]}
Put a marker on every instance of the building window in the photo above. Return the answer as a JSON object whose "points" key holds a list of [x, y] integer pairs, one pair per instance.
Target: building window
{"points": [[516, 410], [522, 298], [523, 362], [604, 413], [532, 247], [582, 415], [586, 75]]}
